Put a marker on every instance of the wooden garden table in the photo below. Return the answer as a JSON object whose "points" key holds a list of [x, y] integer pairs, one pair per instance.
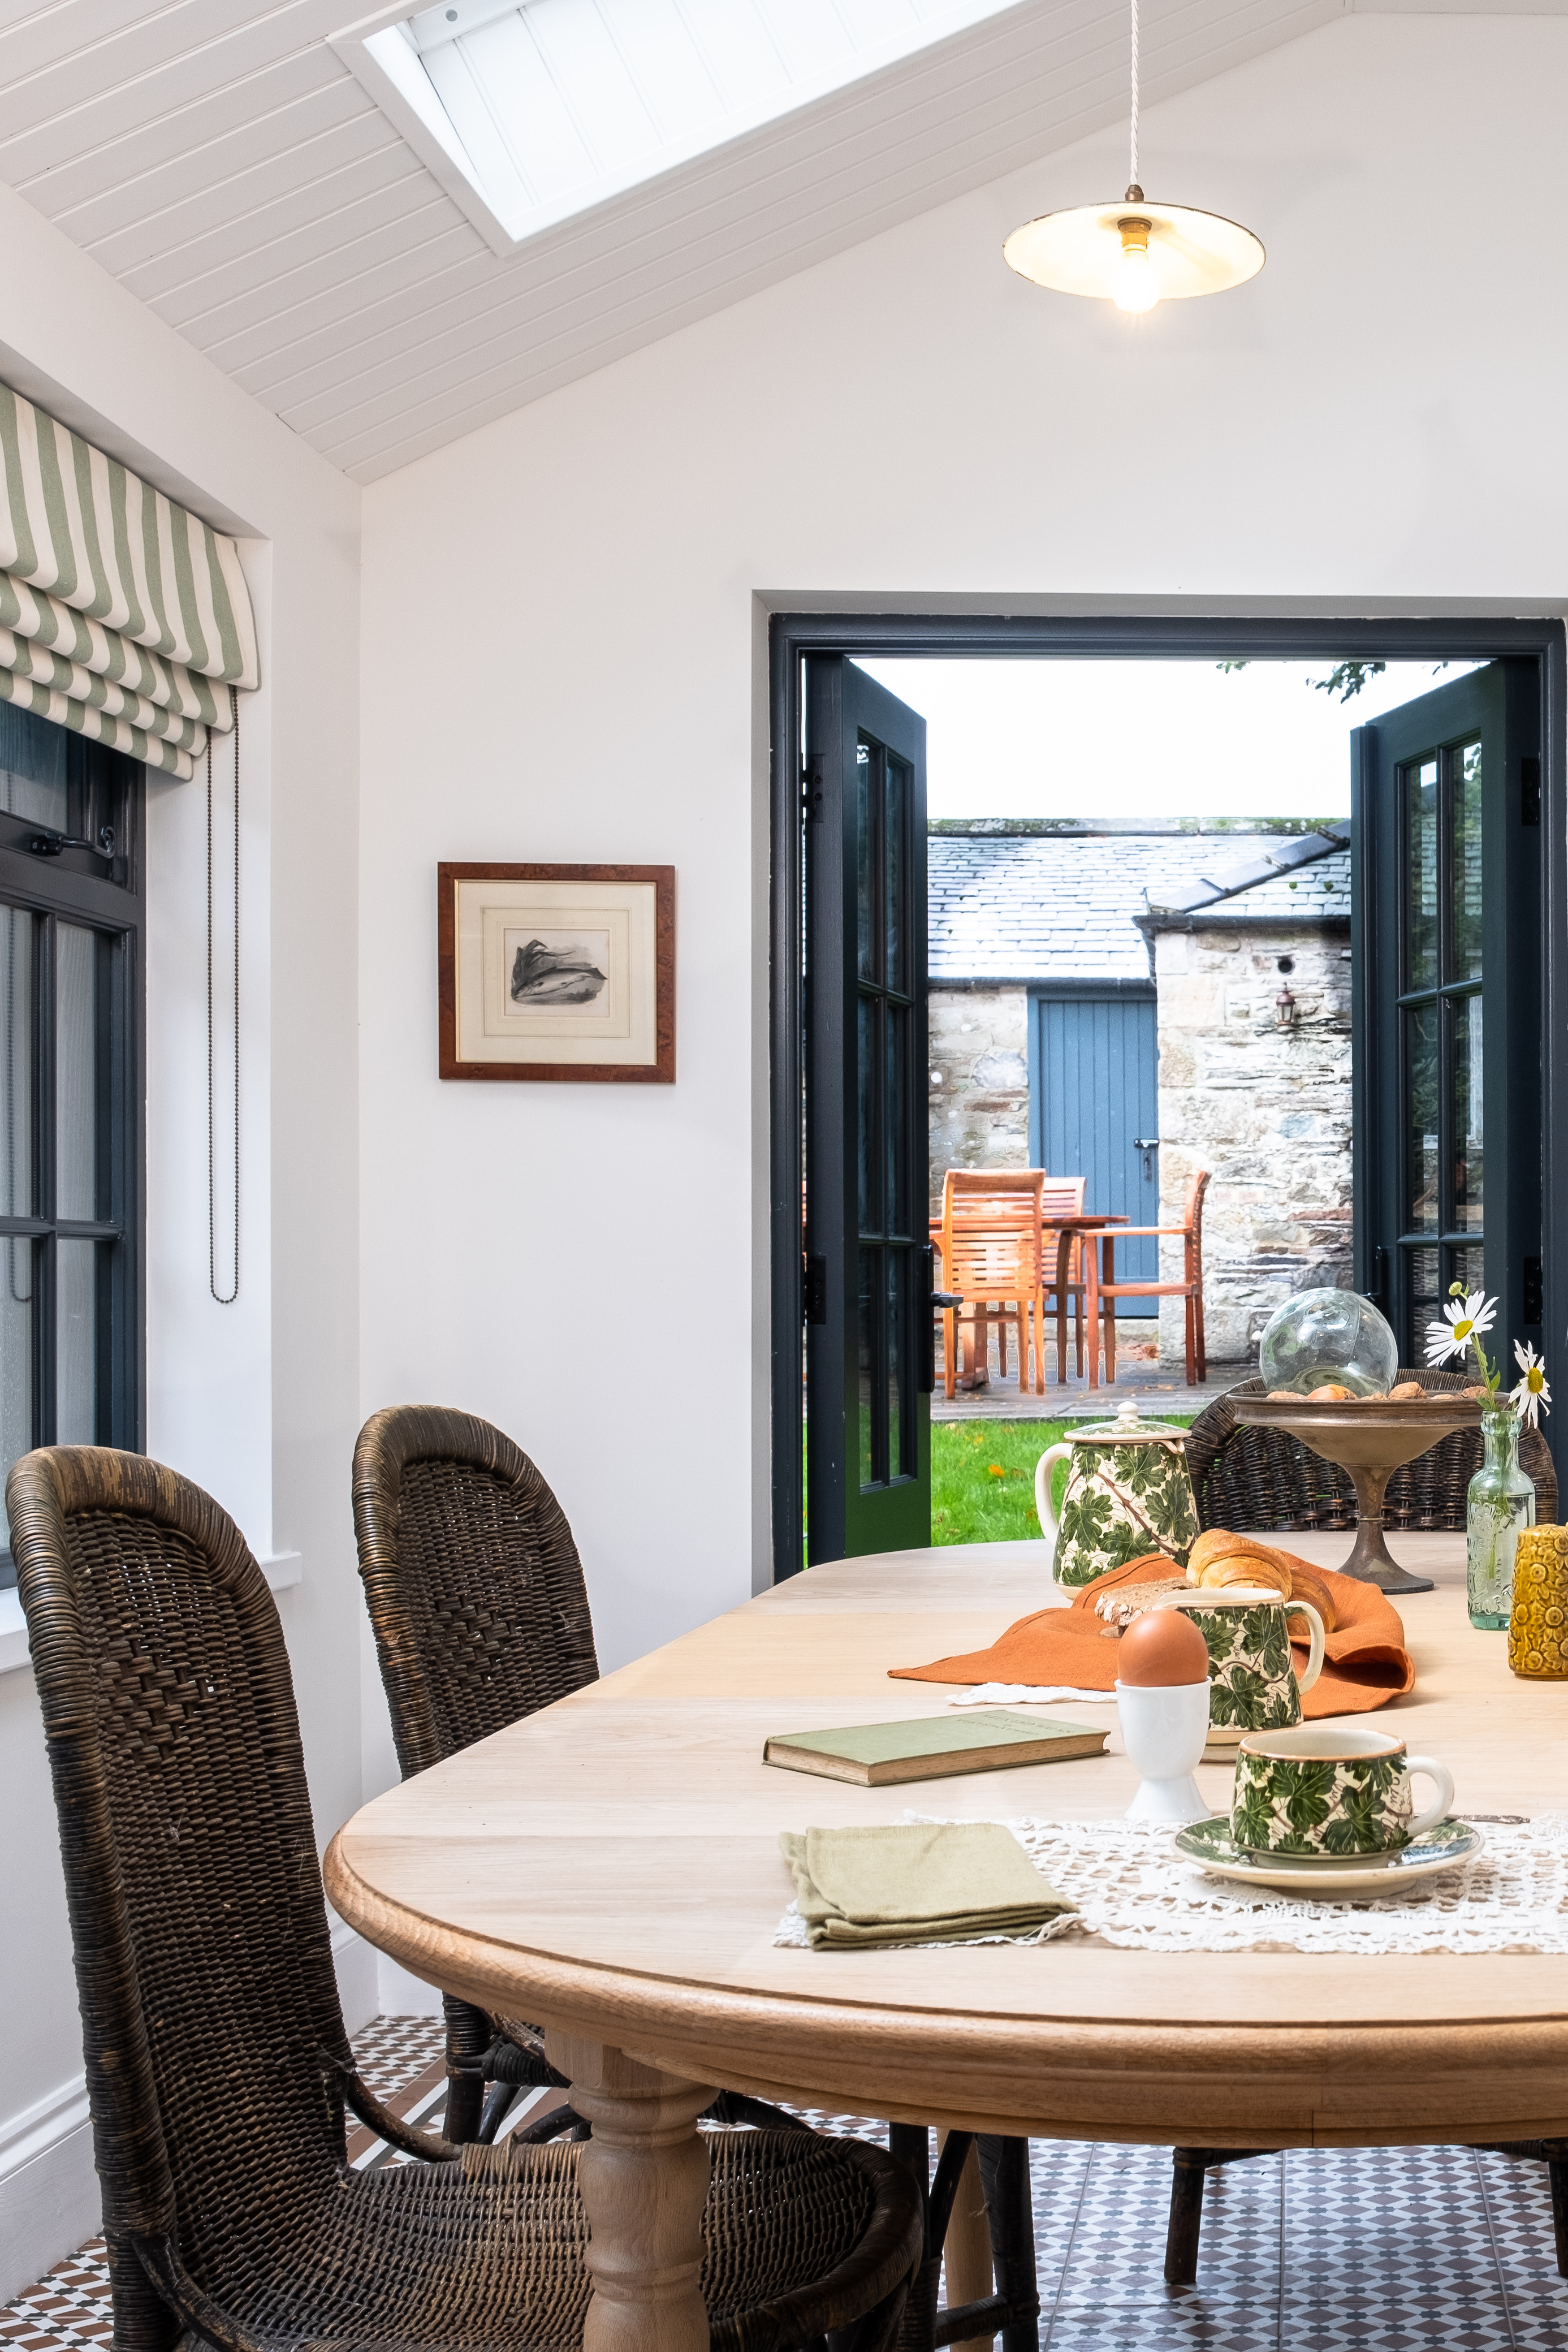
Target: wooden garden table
{"points": [[610, 1867]]}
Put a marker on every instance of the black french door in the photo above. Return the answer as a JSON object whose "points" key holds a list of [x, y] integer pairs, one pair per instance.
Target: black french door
{"points": [[1445, 952], [868, 1340]]}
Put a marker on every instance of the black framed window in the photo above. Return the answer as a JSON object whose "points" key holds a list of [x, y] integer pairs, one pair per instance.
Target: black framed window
{"points": [[71, 1128]]}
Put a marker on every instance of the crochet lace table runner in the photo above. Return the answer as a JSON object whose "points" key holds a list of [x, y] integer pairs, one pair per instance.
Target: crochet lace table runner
{"points": [[1133, 1889]]}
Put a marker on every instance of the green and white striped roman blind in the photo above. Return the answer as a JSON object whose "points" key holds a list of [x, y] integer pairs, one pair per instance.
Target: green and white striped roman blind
{"points": [[120, 615]]}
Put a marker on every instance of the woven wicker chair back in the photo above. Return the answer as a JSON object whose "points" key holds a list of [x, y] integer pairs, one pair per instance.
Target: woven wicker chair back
{"points": [[203, 1967], [471, 1579], [1265, 1478]]}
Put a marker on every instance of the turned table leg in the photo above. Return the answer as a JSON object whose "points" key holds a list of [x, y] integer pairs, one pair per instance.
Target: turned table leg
{"points": [[644, 2177]]}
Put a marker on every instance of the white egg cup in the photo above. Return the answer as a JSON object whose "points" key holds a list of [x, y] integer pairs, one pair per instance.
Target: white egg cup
{"points": [[1165, 1728]]}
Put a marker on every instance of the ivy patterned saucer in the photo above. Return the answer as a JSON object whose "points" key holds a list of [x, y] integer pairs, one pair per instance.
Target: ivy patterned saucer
{"points": [[1443, 1847]]}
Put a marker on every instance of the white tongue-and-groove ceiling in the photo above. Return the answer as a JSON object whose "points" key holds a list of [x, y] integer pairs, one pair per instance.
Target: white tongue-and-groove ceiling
{"points": [[223, 162]]}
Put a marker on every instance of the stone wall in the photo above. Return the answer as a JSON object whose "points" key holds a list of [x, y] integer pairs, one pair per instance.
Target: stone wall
{"points": [[1266, 1109], [979, 1080]]}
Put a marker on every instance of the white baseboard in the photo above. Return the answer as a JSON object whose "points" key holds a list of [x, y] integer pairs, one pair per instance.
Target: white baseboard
{"points": [[358, 1966], [48, 2189]]}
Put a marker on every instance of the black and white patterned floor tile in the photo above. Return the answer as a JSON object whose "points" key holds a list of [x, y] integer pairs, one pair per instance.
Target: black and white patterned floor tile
{"points": [[1366, 2250]]}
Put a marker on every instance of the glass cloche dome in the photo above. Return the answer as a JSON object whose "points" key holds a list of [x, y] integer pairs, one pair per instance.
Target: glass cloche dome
{"points": [[1328, 1334]]}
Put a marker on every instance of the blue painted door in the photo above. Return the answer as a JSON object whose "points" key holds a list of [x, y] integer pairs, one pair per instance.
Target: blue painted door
{"points": [[1094, 1108]]}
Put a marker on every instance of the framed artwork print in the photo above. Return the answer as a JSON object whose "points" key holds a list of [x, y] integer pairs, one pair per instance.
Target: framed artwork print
{"points": [[558, 973]]}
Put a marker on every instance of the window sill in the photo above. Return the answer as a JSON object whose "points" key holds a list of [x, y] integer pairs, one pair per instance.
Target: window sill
{"points": [[286, 1569]]}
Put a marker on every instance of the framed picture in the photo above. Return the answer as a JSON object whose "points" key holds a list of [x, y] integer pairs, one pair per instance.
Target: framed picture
{"points": [[558, 973]]}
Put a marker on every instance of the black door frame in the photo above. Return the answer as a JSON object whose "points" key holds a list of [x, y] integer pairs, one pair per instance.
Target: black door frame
{"points": [[1110, 637]]}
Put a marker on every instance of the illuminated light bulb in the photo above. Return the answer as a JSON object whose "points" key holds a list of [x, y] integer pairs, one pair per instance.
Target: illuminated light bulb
{"points": [[1136, 288]]}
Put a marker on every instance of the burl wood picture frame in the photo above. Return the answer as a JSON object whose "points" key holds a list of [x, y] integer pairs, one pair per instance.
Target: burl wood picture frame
{"points": [[557, 973]]}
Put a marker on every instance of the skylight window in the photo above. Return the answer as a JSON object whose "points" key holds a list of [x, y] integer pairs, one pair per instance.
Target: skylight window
{"points": [[530, 113]]}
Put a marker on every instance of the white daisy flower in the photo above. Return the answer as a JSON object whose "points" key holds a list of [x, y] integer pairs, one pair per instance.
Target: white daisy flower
{"points": [[1531, 1396], [1465, 1320]]}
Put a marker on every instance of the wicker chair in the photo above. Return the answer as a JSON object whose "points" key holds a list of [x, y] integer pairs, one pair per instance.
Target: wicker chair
{"points": [[480, 1616], [1245, 1477], [1265, 1478], [476, 1597], [218, 2068]]}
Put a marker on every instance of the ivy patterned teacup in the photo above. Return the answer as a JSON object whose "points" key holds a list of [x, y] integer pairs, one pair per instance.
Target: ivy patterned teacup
{"points": [[1128, 1493], [1325, 1790], [1253, 1685]]}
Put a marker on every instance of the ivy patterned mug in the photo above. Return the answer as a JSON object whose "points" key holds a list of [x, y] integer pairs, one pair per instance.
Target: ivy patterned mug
{"points": [[1128, 1493], [1253, 1685], [1326, 1791]]}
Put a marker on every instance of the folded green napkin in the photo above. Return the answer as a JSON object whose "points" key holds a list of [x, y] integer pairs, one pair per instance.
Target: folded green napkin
{"points": [[932, 1883]]}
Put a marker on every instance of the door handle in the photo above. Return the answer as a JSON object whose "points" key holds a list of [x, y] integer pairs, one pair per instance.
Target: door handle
{"points": [[1148, 1145], [937, 1302]]}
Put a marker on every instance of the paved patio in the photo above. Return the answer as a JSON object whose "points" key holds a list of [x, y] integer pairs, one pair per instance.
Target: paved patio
{"points": [[1157, 1389]]}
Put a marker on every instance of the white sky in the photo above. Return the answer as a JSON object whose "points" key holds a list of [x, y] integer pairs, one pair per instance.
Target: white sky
{"points": [[1076, 738]]}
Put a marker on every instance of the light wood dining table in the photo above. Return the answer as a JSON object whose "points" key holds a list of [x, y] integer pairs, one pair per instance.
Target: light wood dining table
{"points": [[609, 1867]]}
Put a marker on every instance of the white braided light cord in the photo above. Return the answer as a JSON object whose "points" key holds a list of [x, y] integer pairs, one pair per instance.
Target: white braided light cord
{"points": [[1135, 1891], [1133, 174]]}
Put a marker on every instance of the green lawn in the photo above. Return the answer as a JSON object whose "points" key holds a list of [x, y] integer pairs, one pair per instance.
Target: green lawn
{"points": [[982, 1478]]}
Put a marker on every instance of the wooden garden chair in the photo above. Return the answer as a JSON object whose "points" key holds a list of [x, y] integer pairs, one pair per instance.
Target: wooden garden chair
{"points": [[1062, 1274], [993, 1251], [1189, 1288]]}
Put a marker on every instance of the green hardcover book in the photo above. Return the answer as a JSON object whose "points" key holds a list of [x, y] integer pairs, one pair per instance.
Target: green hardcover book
{"points": [[989, 1740]]}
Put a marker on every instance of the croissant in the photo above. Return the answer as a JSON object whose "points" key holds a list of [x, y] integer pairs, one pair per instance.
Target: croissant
{"points": [[1220, 1559], [1306, 1584]]}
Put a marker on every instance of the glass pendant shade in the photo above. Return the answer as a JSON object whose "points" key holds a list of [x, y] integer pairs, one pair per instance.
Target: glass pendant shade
{"points": [[1122, 249]]}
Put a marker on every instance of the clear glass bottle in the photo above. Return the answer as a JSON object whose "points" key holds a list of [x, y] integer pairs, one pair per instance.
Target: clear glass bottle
{"points": [[1501, 1502]]}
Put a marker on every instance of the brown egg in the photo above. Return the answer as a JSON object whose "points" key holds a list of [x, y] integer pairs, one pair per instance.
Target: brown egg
{"points": [[1162, 1646]]}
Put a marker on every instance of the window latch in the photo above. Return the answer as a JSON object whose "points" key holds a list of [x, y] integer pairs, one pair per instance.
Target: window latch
{"points": [[49, 844]]}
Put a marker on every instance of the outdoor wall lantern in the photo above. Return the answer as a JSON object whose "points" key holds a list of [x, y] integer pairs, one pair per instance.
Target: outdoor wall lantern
{"points": [[1134, 253], [1285, 1006]]}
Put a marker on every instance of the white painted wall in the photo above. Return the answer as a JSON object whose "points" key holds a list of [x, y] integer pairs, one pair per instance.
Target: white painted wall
{"points": [[256, 1401], [1376, 419]]}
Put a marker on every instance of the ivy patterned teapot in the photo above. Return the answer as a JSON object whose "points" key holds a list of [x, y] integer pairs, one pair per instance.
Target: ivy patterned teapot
{"points": [[1128, 1492]]}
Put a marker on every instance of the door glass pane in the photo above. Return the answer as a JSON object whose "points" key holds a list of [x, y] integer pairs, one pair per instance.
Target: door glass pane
{"points": [[870, 1301], [896, 912], [1469, 1266], [1425, 1296], [1466, 949], [1468, 1166], [76, 1071], [75, 1415], [897, 1371], [865, 864], [16, 1423], [865, 1114], [18, 939], [897, 1018], [1422, 1101], [1421, 875]]}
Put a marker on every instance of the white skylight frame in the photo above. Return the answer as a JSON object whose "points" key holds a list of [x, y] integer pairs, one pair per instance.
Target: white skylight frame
{"points": [[402, 58]]}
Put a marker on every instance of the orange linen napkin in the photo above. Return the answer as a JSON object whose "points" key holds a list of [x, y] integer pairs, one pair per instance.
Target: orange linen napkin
{"points": [[1365, 1663]]}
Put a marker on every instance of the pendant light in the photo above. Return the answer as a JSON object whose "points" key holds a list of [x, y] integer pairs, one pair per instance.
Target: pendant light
{"points": [[1134, 253]]}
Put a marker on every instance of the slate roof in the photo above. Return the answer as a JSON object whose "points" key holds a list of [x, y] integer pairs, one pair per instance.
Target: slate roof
{"points": [[1064, 906]]}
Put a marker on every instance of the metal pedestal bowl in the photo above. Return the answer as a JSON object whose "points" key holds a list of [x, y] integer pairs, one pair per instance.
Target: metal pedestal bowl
{"points": [[1370, 1440]]}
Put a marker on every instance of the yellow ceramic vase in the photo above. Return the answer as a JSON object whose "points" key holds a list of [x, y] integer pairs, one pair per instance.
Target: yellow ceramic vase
{"points": [[1538, 1627]]}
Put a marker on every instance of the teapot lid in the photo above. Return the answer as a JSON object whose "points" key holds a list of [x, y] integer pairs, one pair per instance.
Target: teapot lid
{"points": [[1129, 1429]]}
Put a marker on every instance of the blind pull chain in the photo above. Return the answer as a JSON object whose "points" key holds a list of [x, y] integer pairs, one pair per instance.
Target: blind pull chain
{"points": [[224, 1299]]}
